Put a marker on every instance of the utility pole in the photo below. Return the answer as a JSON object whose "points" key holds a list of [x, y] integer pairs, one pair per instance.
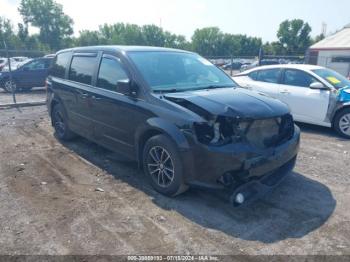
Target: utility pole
{"points": [[10, 73]]}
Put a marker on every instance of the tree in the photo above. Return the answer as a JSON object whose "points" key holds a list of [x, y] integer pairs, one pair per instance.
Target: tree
{"points": [[294, 36], [48, 16], [319, 38], [7, 34], [207, 41]]}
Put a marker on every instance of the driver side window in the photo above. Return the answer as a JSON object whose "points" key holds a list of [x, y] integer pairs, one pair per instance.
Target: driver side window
{"points": [[111, 71], [35, 65]]}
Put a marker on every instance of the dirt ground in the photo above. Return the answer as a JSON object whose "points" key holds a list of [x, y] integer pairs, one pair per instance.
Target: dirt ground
{"points": [[37, 94], [49, 203]]}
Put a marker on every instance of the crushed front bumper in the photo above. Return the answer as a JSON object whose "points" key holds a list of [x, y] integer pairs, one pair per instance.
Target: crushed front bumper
{"points": [[205, 165]]}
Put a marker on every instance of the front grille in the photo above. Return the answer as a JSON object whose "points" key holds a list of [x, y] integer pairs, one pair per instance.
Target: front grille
{"points": [[271, 132]]}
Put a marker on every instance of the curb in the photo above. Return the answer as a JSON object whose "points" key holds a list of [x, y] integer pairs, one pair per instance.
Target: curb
{"points": [[26, 104]]}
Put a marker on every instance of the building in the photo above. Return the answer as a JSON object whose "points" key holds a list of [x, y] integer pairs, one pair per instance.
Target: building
{"points": [[333, 52]]}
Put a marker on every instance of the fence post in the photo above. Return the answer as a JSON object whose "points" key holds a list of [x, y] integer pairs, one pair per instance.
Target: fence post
{"points": [[231, 72], [10, 73]]}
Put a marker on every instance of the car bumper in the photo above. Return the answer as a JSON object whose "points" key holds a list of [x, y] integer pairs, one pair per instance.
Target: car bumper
{"points": [[204, 165]]}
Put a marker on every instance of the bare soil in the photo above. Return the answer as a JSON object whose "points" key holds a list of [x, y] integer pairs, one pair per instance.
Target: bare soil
{"points": [[49, 203]]}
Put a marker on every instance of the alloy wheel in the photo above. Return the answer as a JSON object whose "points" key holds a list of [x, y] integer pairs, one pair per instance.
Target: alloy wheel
{"points": [[9, 86], [344, 124], [160, 166]]}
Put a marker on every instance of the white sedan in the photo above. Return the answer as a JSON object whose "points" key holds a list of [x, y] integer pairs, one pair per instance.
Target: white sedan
{"points": [[315, 94]]}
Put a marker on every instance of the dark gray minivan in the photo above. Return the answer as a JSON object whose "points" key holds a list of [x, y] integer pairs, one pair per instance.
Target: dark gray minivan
{"points": [[181, 118]]}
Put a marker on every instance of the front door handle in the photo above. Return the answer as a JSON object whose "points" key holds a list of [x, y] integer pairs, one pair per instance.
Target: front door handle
{"points": [[84, 95], [285, 92], [96, 98]]}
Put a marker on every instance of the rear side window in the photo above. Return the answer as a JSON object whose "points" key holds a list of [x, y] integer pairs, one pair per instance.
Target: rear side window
{"points": [[60, 65], [82, 69], [269, 76], [111, 71], [253, 75], [298, 78]]}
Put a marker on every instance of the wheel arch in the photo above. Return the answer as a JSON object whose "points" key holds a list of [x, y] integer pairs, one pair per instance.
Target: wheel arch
{"points": [[157, 126], [338, 110]]}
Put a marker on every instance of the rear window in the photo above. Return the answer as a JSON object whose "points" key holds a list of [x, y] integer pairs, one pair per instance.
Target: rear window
{"points": [[82, 69], [253, 75], [60, 65]]}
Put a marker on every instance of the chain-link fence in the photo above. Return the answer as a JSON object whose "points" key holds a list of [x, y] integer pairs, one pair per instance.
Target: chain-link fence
{"points": [[235, 64]]}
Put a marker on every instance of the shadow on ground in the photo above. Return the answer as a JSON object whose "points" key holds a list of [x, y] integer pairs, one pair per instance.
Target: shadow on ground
{"points": [[320, 130], [294, 209]]}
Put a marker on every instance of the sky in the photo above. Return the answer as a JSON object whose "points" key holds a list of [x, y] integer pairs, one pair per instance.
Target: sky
{"points": [[259, 18]]}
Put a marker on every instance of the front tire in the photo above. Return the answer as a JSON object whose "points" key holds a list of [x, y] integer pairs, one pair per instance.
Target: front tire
{"points": [[162, 164], [342, 123], [59, 122]]}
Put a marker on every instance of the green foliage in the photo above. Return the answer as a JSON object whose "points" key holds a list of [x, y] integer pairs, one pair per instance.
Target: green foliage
{"points": [[56, 31], [294, 36], [48, 16], [130, 34], [211, 41]]}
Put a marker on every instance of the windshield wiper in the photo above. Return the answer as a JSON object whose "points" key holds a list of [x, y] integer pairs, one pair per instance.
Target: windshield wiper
{"points": [[215, 86], [161, 91]]}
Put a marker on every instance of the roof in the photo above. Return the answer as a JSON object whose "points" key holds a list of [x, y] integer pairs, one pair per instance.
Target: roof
{"points": [[291, 66], [339, 40], [119, 48]]}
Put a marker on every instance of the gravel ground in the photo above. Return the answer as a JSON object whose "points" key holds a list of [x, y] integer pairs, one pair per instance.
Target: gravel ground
{"points": [[49, 203], [35, 95]]}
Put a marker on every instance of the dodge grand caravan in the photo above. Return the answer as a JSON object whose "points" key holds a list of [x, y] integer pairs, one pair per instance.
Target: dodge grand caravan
{"points": [[181, 118]]}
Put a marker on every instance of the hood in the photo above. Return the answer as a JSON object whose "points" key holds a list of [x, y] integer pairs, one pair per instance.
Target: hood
{"points": [[232, 102]]}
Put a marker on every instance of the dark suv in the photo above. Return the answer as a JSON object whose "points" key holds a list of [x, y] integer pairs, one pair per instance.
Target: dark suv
{"points": [[184, 120]]}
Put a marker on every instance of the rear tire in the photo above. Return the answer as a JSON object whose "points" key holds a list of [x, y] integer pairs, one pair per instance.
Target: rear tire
{"points": [[59, 122], [8, 85], [163, 166], [342, 123]]}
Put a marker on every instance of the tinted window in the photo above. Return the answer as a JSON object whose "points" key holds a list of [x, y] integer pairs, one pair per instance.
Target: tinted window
{"points": [[110, 73], [82, 69], [37, 64], [60, 65], [298, 78], [269, 76], [253, 75]]}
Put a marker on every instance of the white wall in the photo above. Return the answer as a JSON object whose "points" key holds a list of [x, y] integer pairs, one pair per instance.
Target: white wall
{"points": [[325, 59]]}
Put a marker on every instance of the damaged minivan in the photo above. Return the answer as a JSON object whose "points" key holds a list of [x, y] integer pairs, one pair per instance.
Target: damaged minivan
{"points": [[181, 118]]}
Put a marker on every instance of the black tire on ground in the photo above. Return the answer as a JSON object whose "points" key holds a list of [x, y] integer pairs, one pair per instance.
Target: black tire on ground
{"points": [[6, 85], [59, 122], [163, 166], [342, 123]]}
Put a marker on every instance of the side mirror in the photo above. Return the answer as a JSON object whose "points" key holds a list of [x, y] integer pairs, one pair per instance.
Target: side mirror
{"points": [[318, 85], [126, 88]]}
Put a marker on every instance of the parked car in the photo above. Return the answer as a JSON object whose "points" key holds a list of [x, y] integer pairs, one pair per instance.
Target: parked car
{"points": [[263, 62], [3, 62], [233, 66], [14, 65], [315, 94], [28, 75], [179, 116], [20, 59]]}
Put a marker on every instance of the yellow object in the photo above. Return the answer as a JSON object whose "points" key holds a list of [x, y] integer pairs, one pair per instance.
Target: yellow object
{"points": [[333, 80]]}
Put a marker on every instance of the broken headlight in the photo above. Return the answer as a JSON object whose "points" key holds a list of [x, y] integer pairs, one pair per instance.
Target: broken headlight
{"points": [[221, 131]]}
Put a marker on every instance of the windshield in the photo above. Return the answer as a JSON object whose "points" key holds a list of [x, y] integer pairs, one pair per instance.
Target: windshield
{"points": [[175, 71], [332, 77]]}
